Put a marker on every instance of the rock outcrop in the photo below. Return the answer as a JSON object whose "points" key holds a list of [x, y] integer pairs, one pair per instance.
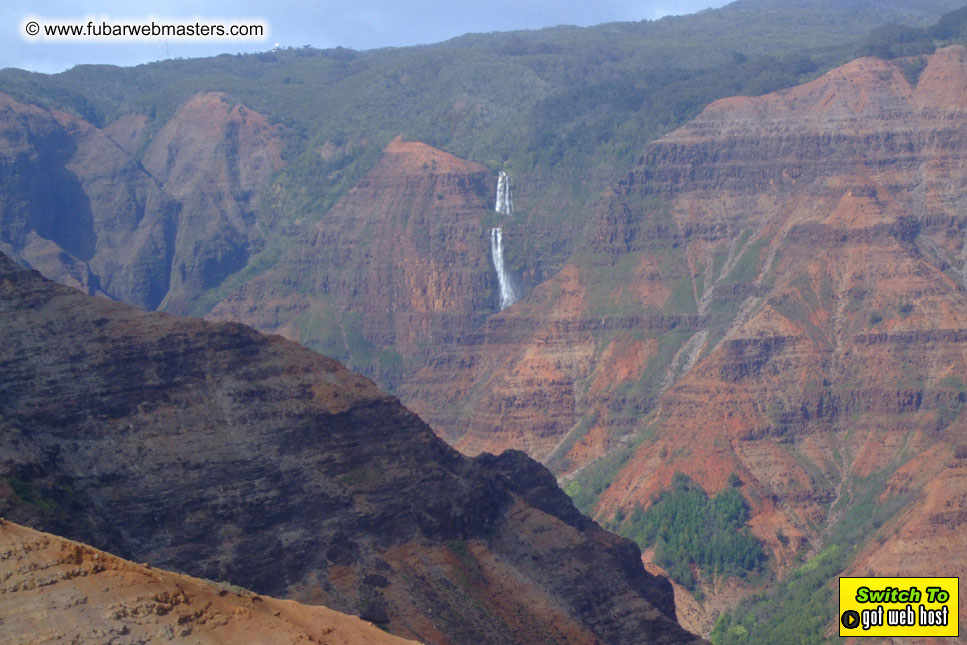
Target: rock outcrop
{"points": [[216, 451], [60, 590], [397, 269]]}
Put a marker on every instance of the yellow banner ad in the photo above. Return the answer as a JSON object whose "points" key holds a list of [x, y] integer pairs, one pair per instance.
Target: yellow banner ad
{"points": [[898, 607]]}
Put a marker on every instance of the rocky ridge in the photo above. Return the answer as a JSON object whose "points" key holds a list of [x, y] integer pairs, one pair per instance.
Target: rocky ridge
{"points": [[222, 453], [59, 590], [832, 225]]}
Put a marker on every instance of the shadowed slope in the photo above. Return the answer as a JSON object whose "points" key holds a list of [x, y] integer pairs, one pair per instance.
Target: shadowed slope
{"points": [[217, 451]]}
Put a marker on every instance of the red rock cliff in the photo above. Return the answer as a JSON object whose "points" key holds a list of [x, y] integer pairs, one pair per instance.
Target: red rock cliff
{"points": [[776, 291], [399, 268]]}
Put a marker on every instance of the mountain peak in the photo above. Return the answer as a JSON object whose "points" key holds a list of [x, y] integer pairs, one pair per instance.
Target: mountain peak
{"points": [[863, 88], [415, 157]]}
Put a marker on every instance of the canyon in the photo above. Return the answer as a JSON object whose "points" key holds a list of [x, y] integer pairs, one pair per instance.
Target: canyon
{"points": [[143, 216], [769, 299], [216, 451], [773, 293]]}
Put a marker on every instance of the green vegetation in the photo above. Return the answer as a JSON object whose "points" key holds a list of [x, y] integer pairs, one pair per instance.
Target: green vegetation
{"points": [[227, 587], [258, 264], [360, 349], [801, 609], [952, 382], [798, 613], [557, 461], [895, 41], [631, 397], [458, 546], [687, 527], [898, 41], [573, 107], [746, 267], [949, 412], [28, 493], [912, 69], [360, 476], [585, 489]]}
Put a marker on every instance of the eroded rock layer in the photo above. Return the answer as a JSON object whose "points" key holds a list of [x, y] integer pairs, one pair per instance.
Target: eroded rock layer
{"points": [[811, 235], [820, 229], [777, 291], [226, 454], [398, 268]]}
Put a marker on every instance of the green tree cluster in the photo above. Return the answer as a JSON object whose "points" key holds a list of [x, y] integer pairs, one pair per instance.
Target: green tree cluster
{"points": [[897, 41], [798, 611], [687, 527]]}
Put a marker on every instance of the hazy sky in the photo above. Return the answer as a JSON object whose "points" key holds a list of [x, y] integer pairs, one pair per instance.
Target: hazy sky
{"points": [[358, 24]]}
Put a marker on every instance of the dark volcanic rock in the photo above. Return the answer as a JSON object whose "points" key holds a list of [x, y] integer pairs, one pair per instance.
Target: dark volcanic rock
{"points": [[227, 454]]}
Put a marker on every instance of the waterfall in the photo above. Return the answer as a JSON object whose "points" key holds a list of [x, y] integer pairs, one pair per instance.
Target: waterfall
{"points": [[505, 199], [504, 206], [507, 295]]}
